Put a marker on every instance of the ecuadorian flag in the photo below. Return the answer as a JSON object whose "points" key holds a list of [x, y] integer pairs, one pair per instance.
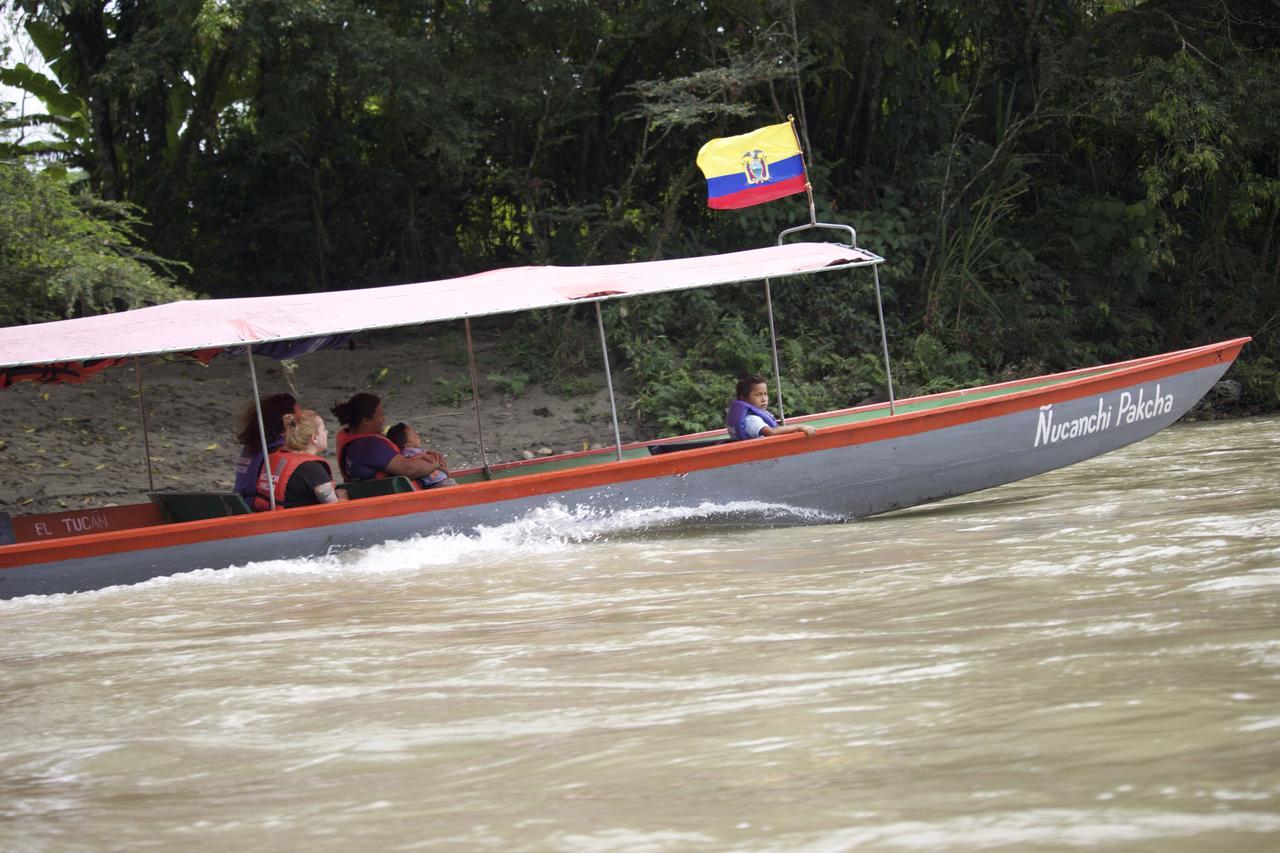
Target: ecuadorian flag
{"points": [[752, 168]]}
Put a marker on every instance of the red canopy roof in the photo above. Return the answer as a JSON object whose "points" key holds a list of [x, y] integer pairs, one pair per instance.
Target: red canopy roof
{"points": [[215, 324]]}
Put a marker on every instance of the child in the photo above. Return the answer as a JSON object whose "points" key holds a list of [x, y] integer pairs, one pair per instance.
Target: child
{"points": [[404, 437], [747, 417]]}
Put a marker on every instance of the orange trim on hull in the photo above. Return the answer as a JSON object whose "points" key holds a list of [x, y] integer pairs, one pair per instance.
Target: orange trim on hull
{"points": [[1126, 374]]}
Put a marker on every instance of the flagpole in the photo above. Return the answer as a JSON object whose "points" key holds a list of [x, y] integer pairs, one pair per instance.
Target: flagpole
{"points": [[808, 187]]}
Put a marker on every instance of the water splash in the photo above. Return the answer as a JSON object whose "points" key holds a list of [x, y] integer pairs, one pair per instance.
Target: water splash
{"points": [[558, 525], [555, 530], [552, 529]]}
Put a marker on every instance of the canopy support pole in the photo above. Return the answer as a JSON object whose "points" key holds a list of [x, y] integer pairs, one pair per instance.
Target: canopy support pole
{"points": [[773, 340], [475, 398], [142, 410], [262, 429], [884, 339], [608, 378]]}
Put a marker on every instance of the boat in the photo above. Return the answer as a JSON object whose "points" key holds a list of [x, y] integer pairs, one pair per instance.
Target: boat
{"points": [[864, 460]]}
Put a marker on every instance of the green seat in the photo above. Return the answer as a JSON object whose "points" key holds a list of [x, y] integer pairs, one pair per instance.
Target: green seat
{"points": [[357, 489], [194, 506]]}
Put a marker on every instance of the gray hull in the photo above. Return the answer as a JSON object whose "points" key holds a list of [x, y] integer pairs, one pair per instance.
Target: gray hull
{"points": [[921, 457]]}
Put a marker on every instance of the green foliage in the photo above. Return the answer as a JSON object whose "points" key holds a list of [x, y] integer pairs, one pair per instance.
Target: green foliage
{"points": [[933, 368], [63, 254], [1259, 380], [452, 391], [1071, 183], [1121, 234], [66, 116], [450, 341], [574, 386], [970, 259], [684, 401], [554, 347], [514, 382]]}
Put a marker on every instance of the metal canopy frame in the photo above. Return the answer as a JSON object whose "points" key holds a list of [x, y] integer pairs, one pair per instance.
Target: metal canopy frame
{"points": [[874, 262], [869, 259]]}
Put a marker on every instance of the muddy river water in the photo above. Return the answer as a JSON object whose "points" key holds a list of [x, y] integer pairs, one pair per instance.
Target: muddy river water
{"points": [[1087, 659]]}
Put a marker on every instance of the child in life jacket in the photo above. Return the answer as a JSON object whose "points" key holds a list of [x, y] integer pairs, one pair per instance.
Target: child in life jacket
{"points": [[748, 418], [406, 438]]}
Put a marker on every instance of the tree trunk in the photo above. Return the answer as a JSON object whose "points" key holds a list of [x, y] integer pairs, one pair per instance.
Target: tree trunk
{"points": [[84, 24]]}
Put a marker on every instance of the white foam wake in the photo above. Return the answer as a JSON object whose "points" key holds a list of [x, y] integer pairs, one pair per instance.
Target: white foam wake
{"points": [[555, 530], [552, 529], [559, 524]]}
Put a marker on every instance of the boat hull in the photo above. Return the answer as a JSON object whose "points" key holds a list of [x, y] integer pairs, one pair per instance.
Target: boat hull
{"points": [[845, 472]]}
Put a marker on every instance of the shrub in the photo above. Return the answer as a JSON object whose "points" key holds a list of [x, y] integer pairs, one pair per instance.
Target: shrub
{"points": [[66, 254]]}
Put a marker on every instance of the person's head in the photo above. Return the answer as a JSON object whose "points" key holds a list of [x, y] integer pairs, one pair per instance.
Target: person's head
{"points": [[402, 435], [362, 413], [305, 433], [754, 390], [274, 408]]}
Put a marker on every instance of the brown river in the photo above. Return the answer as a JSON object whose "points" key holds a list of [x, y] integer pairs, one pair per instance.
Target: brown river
{"points": [[1086, 660]]}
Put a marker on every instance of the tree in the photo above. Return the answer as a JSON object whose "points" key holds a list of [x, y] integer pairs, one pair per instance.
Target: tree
{"points": [[68, 255], [1053, 181]]}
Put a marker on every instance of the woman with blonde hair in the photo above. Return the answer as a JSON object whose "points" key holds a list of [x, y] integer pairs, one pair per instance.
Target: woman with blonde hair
{"points": [[300, 476]]}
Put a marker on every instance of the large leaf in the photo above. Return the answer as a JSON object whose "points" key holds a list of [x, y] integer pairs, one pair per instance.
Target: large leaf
{"points": [[23, 77], [48, 39]]}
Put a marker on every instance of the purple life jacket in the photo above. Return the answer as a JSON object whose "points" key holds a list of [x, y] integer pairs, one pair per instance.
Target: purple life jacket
{"points": [[249, 466], [735, 420]]}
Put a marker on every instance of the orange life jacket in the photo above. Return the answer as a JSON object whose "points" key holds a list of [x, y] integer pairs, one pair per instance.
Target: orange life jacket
{"points": [[345, 438], [283, 463]]}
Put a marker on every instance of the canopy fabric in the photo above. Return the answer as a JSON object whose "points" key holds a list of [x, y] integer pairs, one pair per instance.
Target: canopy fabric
{"points": [[217, 324]]}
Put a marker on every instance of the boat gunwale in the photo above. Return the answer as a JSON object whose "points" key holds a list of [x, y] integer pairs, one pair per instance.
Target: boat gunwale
{"points": [[611, 471]]}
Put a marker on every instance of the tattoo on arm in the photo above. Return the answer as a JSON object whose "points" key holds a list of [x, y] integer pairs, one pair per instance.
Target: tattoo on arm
{"points": [[325, 493]]}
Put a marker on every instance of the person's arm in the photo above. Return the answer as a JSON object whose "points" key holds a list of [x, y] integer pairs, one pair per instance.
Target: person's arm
{"points": [[438, 457], [415, 466], [315, 476], [783, 430], [327, 493]]}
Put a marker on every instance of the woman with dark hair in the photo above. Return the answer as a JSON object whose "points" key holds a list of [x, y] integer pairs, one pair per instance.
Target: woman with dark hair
{"points": [[364, 453], [249, 466]]}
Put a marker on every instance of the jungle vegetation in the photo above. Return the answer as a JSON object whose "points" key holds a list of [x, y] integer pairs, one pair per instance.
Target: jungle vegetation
{"points": [[1054, 182]]}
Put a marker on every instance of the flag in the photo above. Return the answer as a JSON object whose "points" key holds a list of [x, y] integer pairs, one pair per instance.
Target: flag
{"points": [[752, 168]]}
